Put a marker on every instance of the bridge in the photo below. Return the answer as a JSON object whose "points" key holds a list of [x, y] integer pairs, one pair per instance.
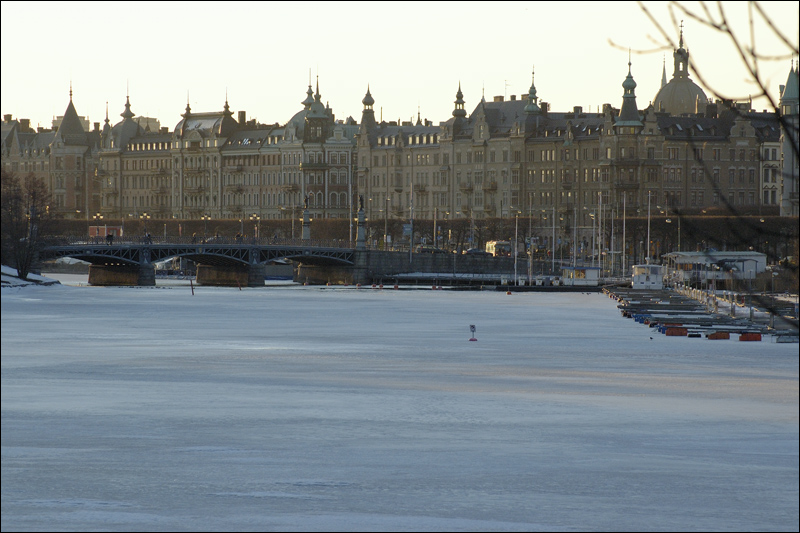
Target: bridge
{"points": [[232, 262], [219, 262]]}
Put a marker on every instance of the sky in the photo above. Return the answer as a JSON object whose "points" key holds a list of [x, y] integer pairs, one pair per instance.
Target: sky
{"points": [[291, 408], [411, 55]]}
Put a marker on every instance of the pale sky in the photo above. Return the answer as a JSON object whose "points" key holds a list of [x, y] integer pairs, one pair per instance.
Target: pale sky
{"points": [[413, 55]]}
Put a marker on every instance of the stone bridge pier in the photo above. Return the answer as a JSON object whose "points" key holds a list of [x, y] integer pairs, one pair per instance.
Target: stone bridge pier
{"points": [[231, 276], [122, 274]]}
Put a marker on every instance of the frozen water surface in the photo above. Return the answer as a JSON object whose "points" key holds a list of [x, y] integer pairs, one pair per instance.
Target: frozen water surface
{"points": [[308, 408]]}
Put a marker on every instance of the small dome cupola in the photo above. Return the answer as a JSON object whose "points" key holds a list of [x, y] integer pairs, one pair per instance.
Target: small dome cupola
{"points": [[368, 100], [459, 111]]}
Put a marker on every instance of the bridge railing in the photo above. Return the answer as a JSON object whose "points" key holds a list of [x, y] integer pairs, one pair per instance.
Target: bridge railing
{"points": [[188, 240]]}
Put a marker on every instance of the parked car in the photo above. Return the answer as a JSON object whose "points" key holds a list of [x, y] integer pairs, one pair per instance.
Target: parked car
{"points": [[428, 249], [477, 251]]}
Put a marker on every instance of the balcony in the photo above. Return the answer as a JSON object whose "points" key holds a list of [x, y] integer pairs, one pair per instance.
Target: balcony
{"points": [[466, 187], [626, 185], [490, 186], [190, 190], [313, 166], [235, 189], [290, 187], [233, 168], [488, 208], [420, 188], [566, 184]]}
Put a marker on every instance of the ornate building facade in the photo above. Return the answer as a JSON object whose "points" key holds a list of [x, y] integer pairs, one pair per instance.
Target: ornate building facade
{"points": [[505, 158]]}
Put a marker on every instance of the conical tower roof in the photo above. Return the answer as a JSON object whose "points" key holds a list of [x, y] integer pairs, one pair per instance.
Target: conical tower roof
{"points": [[70, 131]]}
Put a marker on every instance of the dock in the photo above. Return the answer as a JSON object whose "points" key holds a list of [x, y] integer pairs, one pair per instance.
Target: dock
{"points": [[678, 313]]}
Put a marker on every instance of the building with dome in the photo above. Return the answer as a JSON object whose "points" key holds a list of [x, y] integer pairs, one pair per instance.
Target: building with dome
{"points": [[565, 170], [680, 96]]}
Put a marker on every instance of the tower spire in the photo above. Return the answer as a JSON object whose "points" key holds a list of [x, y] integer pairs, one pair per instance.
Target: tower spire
{"points": [[532, 108], [459, 111], [628, 113]]}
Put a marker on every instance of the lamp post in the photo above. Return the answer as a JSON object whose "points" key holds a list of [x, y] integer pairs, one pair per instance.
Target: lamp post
{"points": [[256, 226], [386, 224], [97, 217], [647, 254], [516, 239], [205, 219], [773, 309], [591, 215], [145, 217], [435, 240]]}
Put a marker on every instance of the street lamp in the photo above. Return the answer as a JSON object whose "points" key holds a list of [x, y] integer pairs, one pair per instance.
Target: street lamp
{"points": [[205, 219], [516, 240], [386, 223], [257, 226], [773, 309], [145, 217], [97, 217]]}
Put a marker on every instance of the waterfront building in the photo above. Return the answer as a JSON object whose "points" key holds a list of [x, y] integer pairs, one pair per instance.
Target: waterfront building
{"points": [[570, 172]]}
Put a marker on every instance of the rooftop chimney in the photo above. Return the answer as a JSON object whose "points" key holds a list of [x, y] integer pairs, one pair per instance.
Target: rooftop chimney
{"points": [[499, 98], [242, 118]]}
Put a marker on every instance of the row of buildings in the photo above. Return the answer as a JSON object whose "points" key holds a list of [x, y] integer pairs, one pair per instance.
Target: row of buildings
{"points": [[507, 157]]}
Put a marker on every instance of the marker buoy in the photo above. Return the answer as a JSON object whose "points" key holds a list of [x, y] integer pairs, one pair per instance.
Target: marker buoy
{"points": [[509, 292], [472, 330]]}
